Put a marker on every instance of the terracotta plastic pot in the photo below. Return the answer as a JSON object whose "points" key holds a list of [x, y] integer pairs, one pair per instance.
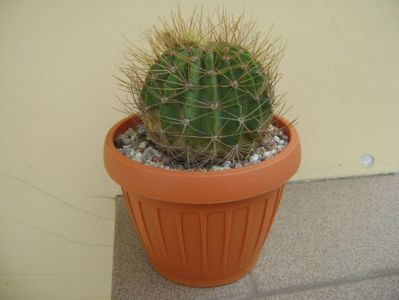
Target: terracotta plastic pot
{"points": [[202, 228]]}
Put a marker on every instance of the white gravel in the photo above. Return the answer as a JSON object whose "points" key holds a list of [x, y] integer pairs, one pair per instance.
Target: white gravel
{"points": [[135, 144]]}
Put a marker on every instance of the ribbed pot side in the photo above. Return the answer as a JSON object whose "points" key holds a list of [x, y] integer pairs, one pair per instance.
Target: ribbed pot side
{"points": [[202, 243]]}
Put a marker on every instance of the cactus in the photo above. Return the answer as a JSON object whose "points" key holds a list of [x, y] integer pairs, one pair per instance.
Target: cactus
{"points": [[206, 94]]}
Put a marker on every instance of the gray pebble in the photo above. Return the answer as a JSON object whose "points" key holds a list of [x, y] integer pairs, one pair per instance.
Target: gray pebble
{"points": [[217, 168], [280, 147], [138, 156], [254, 158], [119, 141], [141, 129], [125, 140], [150, 153], [142, 145], [227, 164], [267, 154]]}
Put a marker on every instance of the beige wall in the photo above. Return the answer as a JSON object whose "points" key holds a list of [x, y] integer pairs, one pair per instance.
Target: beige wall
{"points": [[341, 72]]}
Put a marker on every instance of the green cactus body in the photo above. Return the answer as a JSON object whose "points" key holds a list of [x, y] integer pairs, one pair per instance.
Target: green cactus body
{"points": [[211, 98]]}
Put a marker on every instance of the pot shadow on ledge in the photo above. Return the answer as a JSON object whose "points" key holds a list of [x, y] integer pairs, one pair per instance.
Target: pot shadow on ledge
{"points": [[331, 239]]}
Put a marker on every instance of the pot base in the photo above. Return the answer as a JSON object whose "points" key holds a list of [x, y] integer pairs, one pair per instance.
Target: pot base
{"points": [[205, 282]]}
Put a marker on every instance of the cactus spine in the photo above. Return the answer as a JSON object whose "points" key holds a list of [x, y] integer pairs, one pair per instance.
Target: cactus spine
{"points": [[207, 92]]}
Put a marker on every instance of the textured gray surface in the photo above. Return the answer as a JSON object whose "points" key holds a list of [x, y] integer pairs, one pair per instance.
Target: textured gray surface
{"points": [[332, 239], [386, 288]]}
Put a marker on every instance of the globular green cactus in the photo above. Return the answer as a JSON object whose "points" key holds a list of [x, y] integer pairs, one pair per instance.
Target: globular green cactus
{"points": [[207, 92]]}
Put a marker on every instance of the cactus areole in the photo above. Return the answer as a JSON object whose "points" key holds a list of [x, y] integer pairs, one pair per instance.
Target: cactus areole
{"points": [[205, 91]]}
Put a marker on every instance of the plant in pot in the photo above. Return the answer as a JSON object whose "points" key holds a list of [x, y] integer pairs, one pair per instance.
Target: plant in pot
{"points": [[203, 156]]}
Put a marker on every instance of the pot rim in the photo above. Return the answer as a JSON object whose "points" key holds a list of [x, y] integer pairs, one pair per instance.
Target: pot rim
{"points": [[122, 169], [293, 140]]}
